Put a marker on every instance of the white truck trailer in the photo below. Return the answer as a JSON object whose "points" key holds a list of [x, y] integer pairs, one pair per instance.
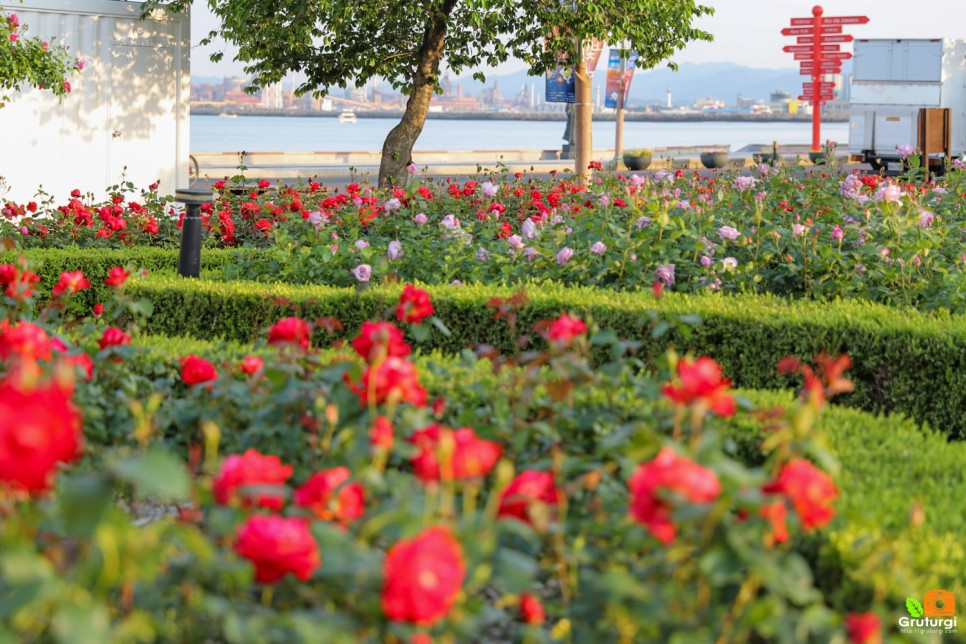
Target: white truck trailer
{"points": [[891, 80]]}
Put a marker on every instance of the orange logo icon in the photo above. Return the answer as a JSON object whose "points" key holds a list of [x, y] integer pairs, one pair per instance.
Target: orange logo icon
{"points": [[939, 603]]}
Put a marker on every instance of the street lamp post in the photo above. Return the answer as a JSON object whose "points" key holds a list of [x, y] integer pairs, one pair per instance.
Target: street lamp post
{"points": [[189, 257]]}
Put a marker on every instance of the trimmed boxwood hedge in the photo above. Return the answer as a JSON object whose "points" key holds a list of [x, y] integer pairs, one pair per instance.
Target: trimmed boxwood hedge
{"points": [[889, 466], [904, 361]]}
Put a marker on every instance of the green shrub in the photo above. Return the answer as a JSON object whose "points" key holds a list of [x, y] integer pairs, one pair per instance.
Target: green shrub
{"points": [[904, 361]]}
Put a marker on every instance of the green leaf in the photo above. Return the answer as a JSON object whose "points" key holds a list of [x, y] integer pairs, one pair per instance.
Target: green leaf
{"points": [[155, 473], [914, 607]]}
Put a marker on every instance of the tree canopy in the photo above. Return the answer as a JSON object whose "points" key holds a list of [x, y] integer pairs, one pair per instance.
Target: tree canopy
{"points": [[338, 42]]}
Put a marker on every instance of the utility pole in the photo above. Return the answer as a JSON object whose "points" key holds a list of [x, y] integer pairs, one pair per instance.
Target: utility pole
{"points": [[583, 116]]}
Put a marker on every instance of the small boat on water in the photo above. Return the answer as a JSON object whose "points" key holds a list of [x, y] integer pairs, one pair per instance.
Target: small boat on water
{"points": [[347, 116], [226, 115]]}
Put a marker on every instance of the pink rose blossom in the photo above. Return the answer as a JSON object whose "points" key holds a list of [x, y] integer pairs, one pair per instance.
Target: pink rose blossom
{"points": [[598, 248], [421, 219], [395, 250], [490, 189], [362, 272], [564, 255]]}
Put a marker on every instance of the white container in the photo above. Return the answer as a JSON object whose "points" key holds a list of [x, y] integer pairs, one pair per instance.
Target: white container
{"points": [[892, 79], [128, 108]]}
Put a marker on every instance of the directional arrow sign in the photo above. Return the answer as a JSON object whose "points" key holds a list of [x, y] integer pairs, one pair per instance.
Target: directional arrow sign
{"points": [[809, 97], [808, 31], [807, 49], [822, 85], [831, 20], [808, 40], [827, 67], [837, 55]]}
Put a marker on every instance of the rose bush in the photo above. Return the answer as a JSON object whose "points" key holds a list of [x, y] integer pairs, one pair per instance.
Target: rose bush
{"points": [[823, 235], [292, 520]]}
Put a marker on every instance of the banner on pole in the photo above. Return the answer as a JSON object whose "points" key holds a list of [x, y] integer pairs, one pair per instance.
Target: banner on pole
{"points": [[613, 76], [561, 87], [592, 55]]}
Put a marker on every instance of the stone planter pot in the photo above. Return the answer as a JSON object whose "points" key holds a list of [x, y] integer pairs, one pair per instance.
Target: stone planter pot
{"points": [[637, 161], [712, 160]]}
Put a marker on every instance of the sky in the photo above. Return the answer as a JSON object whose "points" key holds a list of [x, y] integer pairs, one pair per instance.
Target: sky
{"points": [[746, 32]]}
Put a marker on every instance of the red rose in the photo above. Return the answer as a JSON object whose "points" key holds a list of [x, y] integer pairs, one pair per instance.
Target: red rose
{"points": [[381, 433], [863, 628], [251, 365], [446, 454], [531, 610], [264, 183], [700, 385], [330, 498], [116, 276], [380, 340], [26, 340], [775, 513], [809, 489], [251, 469], [98, 310], [277, 546], [414, 305], [263, 225], [70, 282], [423, 576], [565, 328], [195, 370], [39, 428], [530, 490], [668, 472], [78, 360], [393, 378], [113, 337], [290, 331]]}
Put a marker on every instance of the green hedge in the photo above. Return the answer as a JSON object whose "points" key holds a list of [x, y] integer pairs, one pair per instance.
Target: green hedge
{"points": [[904, 361], [888, 467]]}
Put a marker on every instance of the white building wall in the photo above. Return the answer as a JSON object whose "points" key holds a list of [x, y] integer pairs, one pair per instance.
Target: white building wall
{"points": [[129, 107]]}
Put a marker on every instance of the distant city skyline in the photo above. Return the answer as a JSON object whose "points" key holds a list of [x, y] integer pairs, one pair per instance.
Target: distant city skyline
{"points": [[747, 32]]}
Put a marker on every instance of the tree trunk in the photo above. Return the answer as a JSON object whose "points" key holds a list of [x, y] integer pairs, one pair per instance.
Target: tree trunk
{"points": [[398, 147]]}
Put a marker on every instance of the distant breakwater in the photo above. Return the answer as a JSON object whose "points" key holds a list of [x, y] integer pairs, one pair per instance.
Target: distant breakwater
{"points": [[529, 116]]}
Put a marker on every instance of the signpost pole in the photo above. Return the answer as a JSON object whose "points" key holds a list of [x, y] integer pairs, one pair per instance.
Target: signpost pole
{"points": [[817, 77], [584, 116]]}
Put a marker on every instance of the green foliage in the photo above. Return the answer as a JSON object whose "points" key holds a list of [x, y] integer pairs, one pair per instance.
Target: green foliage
{"points": [[914, 607], [31, 62], [905, 361]]}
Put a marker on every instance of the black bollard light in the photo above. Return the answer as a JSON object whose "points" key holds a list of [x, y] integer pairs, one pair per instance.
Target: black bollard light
{"points": [[189, 259]]}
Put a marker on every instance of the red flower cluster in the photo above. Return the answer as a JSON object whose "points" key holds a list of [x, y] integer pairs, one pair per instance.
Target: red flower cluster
{"points": [[531, 610], [70, 282], [116, 276], [25, 341], [446, 454], [810, 490], [701, 386], [196, 370], [863, 628], [39, 429], [380, 340], [668, 472], [330, 497], [251, 470], [528, 495], [17, 283], [381, 433], [415, 305], [113, 337], [423, 577], [564, 329], [392, 379], [250, 365], [290, 332], [278, 546]]}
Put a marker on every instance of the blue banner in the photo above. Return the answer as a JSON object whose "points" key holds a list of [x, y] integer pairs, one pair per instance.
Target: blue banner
{"points": [[560, 85]]}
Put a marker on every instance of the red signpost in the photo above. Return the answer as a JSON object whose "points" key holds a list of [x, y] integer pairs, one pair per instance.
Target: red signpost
{"points": [[818, 50]]}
